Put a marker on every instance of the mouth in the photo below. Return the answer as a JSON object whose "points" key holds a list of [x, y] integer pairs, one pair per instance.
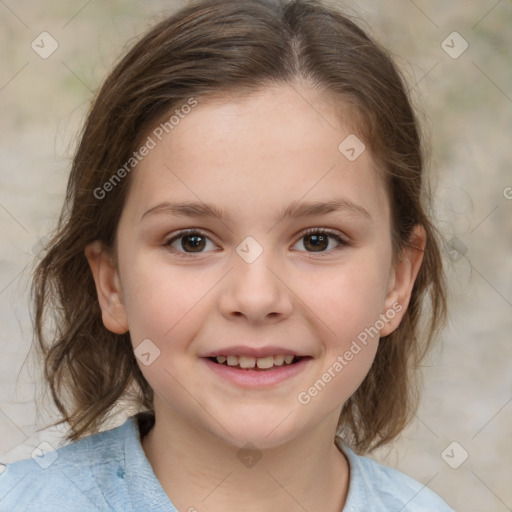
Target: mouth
{"points": [[264, 364]]}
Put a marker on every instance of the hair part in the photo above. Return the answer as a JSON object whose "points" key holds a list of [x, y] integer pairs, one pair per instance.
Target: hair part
{"points": [[216, 48]]}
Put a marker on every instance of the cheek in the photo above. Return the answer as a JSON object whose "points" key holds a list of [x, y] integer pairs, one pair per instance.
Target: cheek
{"points": [[346, 299], [161, 299], [168, 307], [347, 303], [349, 310]]}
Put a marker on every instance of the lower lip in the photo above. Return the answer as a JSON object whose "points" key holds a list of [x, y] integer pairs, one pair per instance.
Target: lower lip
{"points": [[258, 378]]}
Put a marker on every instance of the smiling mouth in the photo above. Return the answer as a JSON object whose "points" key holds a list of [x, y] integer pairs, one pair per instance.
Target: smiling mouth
{"points": [[257, 364]]}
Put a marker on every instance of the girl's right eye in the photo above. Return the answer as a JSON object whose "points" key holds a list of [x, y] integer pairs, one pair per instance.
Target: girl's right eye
{"points": [[192, 241]]}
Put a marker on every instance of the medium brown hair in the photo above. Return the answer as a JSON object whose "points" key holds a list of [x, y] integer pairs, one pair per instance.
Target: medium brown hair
{"points": [[215, 48]]}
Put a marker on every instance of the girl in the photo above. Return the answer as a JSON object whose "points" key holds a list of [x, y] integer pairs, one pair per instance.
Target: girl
{"points": [[245, 251]]}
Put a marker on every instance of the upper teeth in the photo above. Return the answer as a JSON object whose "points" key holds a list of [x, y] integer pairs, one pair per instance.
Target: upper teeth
{"points": [[251, 362]]}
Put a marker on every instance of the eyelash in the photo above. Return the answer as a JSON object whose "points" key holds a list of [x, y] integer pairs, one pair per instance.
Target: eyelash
{"points": [[311, 231]]}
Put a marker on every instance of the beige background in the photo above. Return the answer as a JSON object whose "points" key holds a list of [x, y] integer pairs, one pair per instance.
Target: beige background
{"points": [[467, 395]]}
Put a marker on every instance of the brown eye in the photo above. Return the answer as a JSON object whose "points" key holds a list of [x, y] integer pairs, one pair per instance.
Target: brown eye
{"points": [[316, 242], [194, 242], [188, 242], [322, 241]]}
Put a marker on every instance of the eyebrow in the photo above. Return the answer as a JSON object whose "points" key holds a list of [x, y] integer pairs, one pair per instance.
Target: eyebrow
{"points": [[294, 209]]}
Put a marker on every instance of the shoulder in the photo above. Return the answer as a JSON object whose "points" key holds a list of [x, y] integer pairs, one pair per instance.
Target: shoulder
{"points": [[385, 488], [67, 477]]}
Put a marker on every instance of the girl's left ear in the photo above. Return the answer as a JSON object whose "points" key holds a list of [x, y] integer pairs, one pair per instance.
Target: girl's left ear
{"points": [[402, 278]]}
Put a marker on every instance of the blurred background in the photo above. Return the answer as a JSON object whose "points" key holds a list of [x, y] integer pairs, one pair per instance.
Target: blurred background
{"points": [[456, 57]]}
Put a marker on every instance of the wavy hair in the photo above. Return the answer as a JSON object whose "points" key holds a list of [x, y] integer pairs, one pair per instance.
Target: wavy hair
{"points": [[215, 48]]}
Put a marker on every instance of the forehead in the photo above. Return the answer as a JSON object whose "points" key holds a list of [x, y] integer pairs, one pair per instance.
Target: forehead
{"points": [[253, 154]]}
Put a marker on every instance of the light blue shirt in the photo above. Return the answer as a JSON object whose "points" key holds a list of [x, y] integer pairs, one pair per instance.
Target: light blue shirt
{"points": [[109, 472]]}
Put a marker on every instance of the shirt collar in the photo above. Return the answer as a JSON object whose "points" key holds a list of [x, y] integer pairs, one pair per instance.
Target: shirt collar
{"points": [[143, 485]]}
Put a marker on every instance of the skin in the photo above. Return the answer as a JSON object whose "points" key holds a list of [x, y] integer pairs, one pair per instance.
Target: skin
{"points": [[252, 157]]}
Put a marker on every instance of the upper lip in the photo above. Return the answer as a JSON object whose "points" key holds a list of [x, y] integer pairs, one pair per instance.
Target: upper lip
{"points": [[241, 350]]}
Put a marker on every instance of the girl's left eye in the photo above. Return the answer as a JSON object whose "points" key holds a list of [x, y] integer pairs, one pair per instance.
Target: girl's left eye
{"points": [[194, 241], [318, 240]]}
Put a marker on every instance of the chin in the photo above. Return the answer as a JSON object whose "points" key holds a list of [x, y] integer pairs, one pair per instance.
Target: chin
{"points": [[262, 429]]}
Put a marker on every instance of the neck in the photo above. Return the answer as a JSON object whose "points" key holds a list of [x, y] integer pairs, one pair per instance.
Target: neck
{"points": [[199, 471]]}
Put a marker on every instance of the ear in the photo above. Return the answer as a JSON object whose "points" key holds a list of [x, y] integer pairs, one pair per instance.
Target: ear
{"points": [[108, 287], [402, 278]]}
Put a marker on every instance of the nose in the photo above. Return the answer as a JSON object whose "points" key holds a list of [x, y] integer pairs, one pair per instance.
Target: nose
{"points": [[256, 291]]}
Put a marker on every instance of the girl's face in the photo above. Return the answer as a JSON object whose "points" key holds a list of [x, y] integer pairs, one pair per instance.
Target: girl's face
{"points": [[287, 251]]}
